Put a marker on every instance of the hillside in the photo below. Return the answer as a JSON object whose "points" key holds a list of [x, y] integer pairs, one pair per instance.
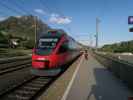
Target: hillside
{"points": [[21, 27], [126, 46]]}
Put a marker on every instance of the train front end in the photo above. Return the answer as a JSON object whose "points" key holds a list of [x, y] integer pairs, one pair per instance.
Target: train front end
{"points": [[44, 59]]}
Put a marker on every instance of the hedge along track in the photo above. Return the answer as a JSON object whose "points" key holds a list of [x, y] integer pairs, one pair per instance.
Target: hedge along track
{"points": [[29, 89], [10, 67]]}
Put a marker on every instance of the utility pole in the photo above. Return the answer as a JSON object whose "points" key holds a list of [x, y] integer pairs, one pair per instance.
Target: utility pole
{"points": [[97, 31], [35, 24], [90, 39]]}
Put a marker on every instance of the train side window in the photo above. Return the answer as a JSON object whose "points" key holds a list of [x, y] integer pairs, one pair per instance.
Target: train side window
{"points": [[63, 48]]}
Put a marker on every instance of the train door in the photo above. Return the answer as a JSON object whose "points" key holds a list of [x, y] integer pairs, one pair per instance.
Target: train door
{"points": [[63, 53]]}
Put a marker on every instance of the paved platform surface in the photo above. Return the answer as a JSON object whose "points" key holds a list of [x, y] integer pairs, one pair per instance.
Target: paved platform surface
{"points": [[91, 81]]}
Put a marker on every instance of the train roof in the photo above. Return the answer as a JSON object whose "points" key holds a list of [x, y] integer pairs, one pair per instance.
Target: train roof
{"points": [[53, 33], [56, 34]]}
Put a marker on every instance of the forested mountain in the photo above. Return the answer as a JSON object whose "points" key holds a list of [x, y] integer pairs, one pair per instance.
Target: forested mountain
{"points": [[23, 28]]}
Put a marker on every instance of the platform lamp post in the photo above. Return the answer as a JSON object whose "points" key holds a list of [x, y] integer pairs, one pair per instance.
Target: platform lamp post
{"points": [[35, 25], [97, 31]]}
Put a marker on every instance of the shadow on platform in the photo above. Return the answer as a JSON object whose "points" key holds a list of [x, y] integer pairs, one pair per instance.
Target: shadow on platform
{"points": [[107, 87]]}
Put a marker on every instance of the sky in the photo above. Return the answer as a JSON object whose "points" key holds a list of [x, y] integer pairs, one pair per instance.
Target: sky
{"points": [[78, 17]]}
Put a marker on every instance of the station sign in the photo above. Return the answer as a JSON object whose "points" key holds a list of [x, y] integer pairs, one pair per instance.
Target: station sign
{"points": [[130, 23], [130, 20], [131, 29]]}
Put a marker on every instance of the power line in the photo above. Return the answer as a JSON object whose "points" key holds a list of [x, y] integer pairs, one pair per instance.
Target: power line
{"points": [[59, 13], [43, 3], [18, 6], [63, 15], [27, 10], [81, 35], [3, 14], [10, 8], [50, 10]]}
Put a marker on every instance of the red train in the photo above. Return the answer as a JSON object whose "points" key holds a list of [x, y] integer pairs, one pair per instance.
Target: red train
{"points": [[53, 50]]}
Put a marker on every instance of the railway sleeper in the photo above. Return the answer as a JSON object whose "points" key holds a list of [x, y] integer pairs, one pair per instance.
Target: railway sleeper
{"points": [[25, 92], [17, 97], [36, 85], [31, 88]]}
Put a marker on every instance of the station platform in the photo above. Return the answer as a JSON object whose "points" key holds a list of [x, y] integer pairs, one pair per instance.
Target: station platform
{"points": [[91, 81]]}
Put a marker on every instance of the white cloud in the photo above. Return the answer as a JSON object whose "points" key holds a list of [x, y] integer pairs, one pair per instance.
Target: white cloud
{"points": [[55, 18], [40, 11], [18, 16], [2, 18]]}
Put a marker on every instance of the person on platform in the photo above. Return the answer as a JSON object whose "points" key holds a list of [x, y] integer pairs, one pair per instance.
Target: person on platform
{"points": [[86, 54]]}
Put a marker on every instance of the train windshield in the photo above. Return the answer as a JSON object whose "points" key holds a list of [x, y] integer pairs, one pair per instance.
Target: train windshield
{"points": [[48, 43], [46, 46]]}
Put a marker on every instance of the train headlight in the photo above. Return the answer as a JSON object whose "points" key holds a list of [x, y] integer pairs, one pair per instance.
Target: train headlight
{"points": [[41, 58]]}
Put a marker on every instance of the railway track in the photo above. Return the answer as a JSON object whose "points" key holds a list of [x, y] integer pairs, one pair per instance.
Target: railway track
{"points": [[27, 90], [10, 67], [14, 59]]}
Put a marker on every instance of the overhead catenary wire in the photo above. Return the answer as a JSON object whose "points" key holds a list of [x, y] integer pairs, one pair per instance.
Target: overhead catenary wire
{"points": [[66, 26], [16, 11], [3, 14], [10, 8], [19, 7], [44, 4]]}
